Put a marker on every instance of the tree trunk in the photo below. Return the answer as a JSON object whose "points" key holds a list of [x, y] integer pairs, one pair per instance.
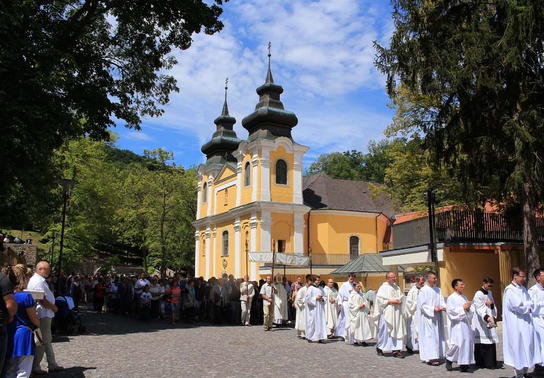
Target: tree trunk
{"points": [[530, 237]]}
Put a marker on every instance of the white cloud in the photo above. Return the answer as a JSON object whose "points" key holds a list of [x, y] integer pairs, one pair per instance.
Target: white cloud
{"points": [[322, 54], [139, 136]]}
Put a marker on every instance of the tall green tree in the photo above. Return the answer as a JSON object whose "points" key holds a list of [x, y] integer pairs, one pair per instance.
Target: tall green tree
{"points": [[73, 68], [480, 65]]}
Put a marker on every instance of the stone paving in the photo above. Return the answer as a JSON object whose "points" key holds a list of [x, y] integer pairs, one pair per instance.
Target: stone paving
{"points": [[116, 346]]}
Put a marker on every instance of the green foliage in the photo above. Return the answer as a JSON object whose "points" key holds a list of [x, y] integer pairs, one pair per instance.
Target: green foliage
{"points": [[477, 68], [356, 165], [74, 68]]}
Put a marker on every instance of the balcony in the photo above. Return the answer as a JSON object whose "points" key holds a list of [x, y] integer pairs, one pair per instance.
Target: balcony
{"points": [[459, 226]]}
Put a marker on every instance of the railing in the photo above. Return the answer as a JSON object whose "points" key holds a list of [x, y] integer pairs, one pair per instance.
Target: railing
{"points": [[462, 225]]}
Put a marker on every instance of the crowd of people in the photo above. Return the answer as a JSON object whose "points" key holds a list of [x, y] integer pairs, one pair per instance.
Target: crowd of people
{"points": [[398, 323], [24, 319], [415, 321]]}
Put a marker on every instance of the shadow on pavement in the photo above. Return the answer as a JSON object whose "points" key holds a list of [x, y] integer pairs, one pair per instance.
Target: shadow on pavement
{"points": [[71, 372]]}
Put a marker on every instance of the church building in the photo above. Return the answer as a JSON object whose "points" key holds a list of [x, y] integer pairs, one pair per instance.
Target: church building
{"points": [[253, 198]]}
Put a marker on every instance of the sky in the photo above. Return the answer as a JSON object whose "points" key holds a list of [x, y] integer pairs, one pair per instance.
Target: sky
{"points": [[322, 56]]}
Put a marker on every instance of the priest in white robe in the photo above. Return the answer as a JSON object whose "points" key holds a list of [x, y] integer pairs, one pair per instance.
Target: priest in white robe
{"points": [[358, 326], [410, 314], [484, 326], [316, 327], [343, 298], [331, 307], [520, 347], [300, 302], [430, 305], [536, 292], [280, 303], [460, 337], [388, 315]]}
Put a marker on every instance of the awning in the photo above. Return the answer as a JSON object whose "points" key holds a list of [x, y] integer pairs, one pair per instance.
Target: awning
{"points": [[280, 258]]}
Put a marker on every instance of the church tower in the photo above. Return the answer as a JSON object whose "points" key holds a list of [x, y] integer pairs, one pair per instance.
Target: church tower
{"points": [[250, 192]]}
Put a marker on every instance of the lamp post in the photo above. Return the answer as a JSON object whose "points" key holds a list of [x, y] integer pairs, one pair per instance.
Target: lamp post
{"points": [[66, 185], [53, 234], [431, 199]]}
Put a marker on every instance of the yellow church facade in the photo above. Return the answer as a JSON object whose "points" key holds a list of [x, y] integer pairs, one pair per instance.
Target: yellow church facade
{"points": [[253, 198]]}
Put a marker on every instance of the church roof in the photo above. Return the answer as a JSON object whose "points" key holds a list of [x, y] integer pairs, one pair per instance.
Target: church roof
{"points": [[323, 192], [367, 263]]}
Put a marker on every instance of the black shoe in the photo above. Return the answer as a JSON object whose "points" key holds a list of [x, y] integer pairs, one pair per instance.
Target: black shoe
{"points": [[321, 342], [356, 344], [364, 344], [449, 365], [398, 354], [379, 352], [409, 350], [464, 369]]}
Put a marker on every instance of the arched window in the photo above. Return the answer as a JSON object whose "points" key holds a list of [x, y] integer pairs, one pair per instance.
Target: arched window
{"points": [[353, 247], [204, 192], [225, 243], [281, 172], [247, 174]]}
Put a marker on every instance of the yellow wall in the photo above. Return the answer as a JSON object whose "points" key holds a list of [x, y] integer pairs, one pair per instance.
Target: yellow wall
{"points": [[281, 193], [330, 233], [229, 226], [226, 202], [247, 191], [471, 266], [282, 229]]}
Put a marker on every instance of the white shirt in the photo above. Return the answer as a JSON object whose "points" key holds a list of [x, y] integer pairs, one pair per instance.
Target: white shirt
{"points": [[140, 285], [37, 282]]}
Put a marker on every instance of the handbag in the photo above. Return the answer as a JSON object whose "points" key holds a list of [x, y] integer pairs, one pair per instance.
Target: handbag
{"points": [[38, 336]]}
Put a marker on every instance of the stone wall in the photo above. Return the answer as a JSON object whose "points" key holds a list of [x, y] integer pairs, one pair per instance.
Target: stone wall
{"points": [[24, 253]]}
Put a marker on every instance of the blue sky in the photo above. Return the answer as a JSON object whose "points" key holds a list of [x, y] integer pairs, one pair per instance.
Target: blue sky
{"points": [[322, 55]]}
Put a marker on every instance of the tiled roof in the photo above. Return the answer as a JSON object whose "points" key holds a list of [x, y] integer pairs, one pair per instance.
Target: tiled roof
{"points": [[367, 263], [322, 192]]}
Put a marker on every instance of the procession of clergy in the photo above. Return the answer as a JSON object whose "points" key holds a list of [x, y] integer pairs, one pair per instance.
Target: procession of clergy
{"points": [[415, 321]]}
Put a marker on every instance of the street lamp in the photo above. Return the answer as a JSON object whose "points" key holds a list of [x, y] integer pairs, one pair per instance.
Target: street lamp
{"points": [[53, 234], [431, 200], [66, 185]]}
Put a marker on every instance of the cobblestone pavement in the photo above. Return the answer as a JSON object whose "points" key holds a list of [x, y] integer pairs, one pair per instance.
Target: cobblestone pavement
{"points": [[116, 346]]}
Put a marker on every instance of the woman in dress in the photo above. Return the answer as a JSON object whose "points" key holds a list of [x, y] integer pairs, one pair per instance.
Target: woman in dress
{"points": [[21, 347]]}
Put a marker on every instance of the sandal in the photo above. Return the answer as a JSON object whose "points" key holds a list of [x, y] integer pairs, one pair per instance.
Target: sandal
{"points": [[433, 363]]}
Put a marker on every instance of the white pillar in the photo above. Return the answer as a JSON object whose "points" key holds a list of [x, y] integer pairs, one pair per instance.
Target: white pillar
{"points": [[265, 174], [197, 253], [214, 251], [266, 231], [198, 198], [299, 234], [253, 243], [237, 256], [208, 257], [255, 175], [239, 183], [297, 178], [209, 197]]}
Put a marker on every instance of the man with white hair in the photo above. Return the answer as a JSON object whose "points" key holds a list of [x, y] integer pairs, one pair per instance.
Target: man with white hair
{"points": [[331, 307], [247, 292], [388, 309], [46, 310]]}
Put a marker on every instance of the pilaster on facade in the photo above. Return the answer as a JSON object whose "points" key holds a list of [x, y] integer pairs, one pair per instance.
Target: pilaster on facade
{"points": [[214, 250], [253, 223], [198, 198], [209, 195], [254, 173], [208, 257], [237, 257], [266, 231], [197, 254], [297, 178], [298, 226], [239, 182]]}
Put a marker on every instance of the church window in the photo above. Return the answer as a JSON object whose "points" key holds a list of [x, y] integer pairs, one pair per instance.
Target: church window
{"points": [[204, 192], [281, 246], [281, 172], [226, 196], [353, 247], [203, 247], [247, 174], [225, 251]]}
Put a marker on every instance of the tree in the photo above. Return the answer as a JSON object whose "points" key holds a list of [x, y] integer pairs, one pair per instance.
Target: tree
{"points": [[356, 165], [480, 66], [72, 68]]}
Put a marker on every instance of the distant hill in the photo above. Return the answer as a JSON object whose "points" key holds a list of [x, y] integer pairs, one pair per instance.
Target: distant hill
{"points": [[123, 158]]}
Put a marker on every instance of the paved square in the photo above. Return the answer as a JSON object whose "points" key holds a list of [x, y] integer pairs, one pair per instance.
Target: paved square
{"points": [[117, 346]]}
